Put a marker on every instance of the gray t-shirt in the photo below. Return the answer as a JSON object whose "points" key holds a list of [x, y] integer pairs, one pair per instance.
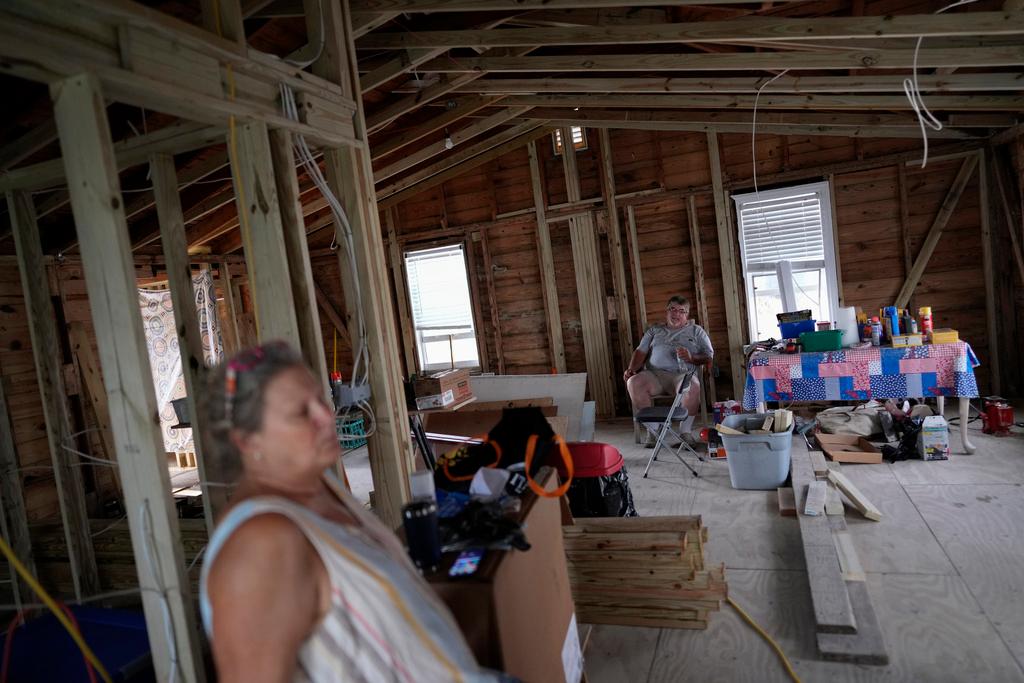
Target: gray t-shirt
{"points": [[660, 343]]}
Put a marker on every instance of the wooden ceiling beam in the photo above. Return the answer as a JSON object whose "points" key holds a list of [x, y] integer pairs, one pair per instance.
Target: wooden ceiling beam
{"points": [[772, 101], [495, 141], [27, 144], [755, 61], [468, 164], [461, 107], [765, 29], [384, 116], [369, 7], [711, 124], [731, 117], [458, 137], [747, 84]]}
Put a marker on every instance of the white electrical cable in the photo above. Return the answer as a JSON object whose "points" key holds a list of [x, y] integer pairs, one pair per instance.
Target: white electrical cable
{"points": [[152, 557], [925, 119], [361, 357]]}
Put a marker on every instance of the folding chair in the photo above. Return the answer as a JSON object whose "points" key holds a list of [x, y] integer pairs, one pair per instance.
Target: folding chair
{"points": [[658, 421]]}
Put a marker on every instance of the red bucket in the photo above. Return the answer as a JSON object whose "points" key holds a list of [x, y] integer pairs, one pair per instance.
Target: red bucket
{"points": [[591, 460]]}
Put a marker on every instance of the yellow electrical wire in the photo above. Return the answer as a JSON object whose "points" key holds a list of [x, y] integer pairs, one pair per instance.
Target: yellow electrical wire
{"points": [[55, 608], [764, 634]]}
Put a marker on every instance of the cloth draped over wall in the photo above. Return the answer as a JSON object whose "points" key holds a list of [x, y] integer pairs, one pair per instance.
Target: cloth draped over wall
{"points": [[165, 355]]}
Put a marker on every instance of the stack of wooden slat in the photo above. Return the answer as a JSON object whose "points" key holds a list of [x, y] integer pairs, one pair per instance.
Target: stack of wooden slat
{"points": [[642, 571]]}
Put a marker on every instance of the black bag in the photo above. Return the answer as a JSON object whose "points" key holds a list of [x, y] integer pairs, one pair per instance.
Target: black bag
{"points": [[522, 435]]}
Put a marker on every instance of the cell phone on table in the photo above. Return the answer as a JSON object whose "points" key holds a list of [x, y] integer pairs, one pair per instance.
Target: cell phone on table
{"points": [[467, 562]]}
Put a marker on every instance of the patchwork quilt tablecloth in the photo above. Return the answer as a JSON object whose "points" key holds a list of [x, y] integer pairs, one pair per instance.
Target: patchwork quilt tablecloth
{"points": [[861, 374]]}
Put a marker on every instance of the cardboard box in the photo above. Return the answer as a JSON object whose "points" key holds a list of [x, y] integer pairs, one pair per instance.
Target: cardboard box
{"points": [[442, 389], [849, 448], [933, 440], [945, 335]]}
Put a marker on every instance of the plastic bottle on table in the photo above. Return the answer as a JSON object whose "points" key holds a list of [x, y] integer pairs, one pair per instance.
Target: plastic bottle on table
{"points": [[925, 313], [876, 331]]}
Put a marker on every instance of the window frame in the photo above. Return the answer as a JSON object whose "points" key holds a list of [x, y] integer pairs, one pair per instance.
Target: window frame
{"points": [[420, 356], [830, 262], [556, 136]]}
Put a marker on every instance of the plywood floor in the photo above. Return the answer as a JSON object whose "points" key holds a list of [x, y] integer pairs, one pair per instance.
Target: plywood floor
{"points": [[945, 566]]}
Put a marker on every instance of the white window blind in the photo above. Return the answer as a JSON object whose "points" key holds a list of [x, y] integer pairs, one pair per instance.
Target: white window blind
{"points": [[788, 250], [442, 310], [786, 228]]}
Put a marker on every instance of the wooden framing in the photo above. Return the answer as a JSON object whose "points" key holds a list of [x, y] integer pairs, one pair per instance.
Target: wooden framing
{"points": [[697, 256], [13, 517], [474, 292], [456, 165], [744, 85], [231, 325], [458, 137], [190, 340], [935, 231], [988, 271], [401, 294], [727, 252], [731, 30], [296, 251], [738, 61], [369, 8], [106, 257], [165, 64], [350, 177], [259, 213], [46, 351], [729, 102], [546, 262], [625, 325], [464, 106], [638, 277], [492, 301], [586, 259]]}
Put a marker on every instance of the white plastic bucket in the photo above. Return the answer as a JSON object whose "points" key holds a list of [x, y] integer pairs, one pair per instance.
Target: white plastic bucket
{"points": [[756, 461]]}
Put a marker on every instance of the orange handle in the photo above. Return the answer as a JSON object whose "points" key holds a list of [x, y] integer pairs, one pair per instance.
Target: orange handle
{"points": [[563, 449], [469, 477]]}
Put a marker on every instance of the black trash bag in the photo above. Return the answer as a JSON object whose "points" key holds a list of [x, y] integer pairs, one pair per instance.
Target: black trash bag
{"points": [[505, 445], [482, 525], [906, 444], [606, 496]]}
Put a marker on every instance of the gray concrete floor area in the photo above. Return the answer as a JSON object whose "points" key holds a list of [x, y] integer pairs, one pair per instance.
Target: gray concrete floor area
{"points": [[945, 572]]}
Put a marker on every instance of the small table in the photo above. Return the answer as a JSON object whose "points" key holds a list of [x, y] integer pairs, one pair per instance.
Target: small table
{"points": [[860, 374], [420, 435]]}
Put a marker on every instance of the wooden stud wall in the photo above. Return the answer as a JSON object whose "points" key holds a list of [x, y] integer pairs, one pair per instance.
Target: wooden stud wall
{"points": [[654, 173]]}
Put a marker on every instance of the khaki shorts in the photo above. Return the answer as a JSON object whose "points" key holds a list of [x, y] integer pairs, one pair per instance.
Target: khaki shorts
{"points": [[668, 381]]}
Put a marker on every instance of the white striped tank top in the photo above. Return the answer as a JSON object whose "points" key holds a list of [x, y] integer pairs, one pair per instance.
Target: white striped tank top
{"points": [[384, 622]]}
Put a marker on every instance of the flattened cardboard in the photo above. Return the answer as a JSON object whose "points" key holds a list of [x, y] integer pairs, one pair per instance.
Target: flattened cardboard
{"points": [[849, 448]]}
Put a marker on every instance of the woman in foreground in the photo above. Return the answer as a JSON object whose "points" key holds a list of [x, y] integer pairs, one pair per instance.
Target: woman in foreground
{"points": [[299, 582]]}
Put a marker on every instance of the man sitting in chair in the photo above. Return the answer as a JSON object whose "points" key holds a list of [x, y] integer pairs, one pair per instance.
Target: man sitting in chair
{"points": [[670, 352]]}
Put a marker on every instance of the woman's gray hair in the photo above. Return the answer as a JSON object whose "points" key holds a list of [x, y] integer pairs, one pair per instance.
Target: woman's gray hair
{"points": [[240, 409]]}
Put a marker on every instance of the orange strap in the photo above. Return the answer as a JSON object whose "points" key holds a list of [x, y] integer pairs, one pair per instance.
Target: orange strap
{"points": [[469, 477], [563, 449]]}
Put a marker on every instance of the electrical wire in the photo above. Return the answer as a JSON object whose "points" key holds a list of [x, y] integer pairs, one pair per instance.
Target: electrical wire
{"points": [[54, 607], [764, 634], [925, 119], [152, 556]]}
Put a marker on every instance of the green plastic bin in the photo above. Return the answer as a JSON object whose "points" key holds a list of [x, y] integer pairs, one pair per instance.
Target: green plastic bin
{"points": [[822, 340]]}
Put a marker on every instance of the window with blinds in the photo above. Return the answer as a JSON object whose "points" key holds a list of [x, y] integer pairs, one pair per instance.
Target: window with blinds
{"points": [[442, 311], [788, 249], [579, 139]]}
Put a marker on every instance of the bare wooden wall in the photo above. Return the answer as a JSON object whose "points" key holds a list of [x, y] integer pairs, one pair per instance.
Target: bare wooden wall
{"points": [[876, 234]]}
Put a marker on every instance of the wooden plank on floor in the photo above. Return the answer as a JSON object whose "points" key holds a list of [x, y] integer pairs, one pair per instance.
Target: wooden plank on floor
{"points": [[833, 612], [787, 501], [818, 463], [867, 646], [859, 500], [848, 558]]}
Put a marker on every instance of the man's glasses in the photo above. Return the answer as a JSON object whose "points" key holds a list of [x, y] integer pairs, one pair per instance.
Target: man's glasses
{"points": [[677, 309]]}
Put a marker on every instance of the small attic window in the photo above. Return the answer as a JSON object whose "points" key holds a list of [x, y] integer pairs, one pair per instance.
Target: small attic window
{"points": [[579, 139]]}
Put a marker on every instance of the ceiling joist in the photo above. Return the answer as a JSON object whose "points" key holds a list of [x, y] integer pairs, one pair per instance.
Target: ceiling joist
{"points": [[748, 84], [766, 29], [772, 101], [369, 7], [750, 61]]}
